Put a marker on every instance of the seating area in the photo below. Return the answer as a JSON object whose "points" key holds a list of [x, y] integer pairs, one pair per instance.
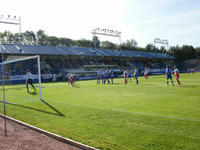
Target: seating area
{"points": [[62, 64], [92, 64], [59, 60]]}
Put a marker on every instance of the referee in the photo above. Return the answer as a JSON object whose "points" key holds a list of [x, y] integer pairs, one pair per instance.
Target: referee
{"points": [[29, 80]]}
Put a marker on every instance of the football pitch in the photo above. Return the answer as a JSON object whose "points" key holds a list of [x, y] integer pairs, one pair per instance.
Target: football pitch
{"points": [[147, 116]]}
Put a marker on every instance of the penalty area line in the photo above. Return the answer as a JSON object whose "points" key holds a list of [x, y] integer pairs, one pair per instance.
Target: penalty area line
{"points": [[139, 104], [29, 101], [8, 102], [21, 102]]}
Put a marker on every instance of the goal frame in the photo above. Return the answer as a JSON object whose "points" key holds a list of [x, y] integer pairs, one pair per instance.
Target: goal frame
{"points": [[22, 59]]}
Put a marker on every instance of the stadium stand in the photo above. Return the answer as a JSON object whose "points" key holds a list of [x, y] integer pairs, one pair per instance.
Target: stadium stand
{"points": [[76, 51], [59, 60]]}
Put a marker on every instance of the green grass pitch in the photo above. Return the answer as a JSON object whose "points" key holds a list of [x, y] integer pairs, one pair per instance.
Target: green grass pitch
{"points": [[147, 116]]}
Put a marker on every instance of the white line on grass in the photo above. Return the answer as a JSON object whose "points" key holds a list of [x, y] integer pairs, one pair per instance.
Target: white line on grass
{"points": [[139, 104], [33, 100], [149, 101], [28, 101], [130, 112]]}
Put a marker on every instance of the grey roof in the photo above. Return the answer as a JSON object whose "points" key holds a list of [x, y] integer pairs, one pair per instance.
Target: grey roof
{"points": [[77, 51]]}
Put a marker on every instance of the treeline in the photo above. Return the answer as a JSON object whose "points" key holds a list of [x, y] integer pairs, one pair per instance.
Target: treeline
{"points": [[41, 38]]}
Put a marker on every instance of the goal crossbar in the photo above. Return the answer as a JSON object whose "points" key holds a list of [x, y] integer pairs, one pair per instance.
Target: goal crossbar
{"points": [[21, 59]]}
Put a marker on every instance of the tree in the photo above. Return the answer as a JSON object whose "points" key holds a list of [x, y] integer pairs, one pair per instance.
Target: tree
{"points": [[129, 45], [175, 51], [183, 53], [18, 37], [151, 48], [96, 40], [11, 38], [8, 37], [52, 40], [198, 51], [188, 52], [41, 37], [29, 37], [2, 39], [108, 45], [33, 37], [83, 43], [162, 49], [66, 42]]}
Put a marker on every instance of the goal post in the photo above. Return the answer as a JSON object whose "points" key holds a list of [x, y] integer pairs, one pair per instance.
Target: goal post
{"points": [[11, 65], [39, 76]]}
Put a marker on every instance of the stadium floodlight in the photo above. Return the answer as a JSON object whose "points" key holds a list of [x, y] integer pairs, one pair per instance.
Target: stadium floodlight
{"points": [[12, 21], [106, 32], [161, 41]]}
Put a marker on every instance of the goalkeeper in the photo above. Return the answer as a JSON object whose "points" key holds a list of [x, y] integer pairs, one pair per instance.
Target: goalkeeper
{"points": [[29, 80]]}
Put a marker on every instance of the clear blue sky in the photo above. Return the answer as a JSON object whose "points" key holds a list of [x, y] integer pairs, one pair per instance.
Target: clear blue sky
{"points": [[143, 20]]}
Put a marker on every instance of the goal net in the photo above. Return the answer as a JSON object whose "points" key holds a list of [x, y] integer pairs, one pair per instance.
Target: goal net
{"points": [[14, 73]]}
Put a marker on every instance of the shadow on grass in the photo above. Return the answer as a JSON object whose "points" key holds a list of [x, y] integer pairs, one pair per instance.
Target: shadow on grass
{"points": [[33, 93], [147, 84], [189, 86], [76, 86], [117, 83], [13, 88], [58, 113]]}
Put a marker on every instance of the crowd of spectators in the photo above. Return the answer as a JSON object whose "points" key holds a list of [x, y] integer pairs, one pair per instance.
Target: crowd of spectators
{"points": [[56, 65]]}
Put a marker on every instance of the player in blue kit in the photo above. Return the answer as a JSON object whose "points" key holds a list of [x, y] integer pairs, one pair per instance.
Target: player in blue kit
{"points": [[168, 72], [98, 76], [136, 75], [107, 73], [103, 77], [111, 75], [129, 75]]}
